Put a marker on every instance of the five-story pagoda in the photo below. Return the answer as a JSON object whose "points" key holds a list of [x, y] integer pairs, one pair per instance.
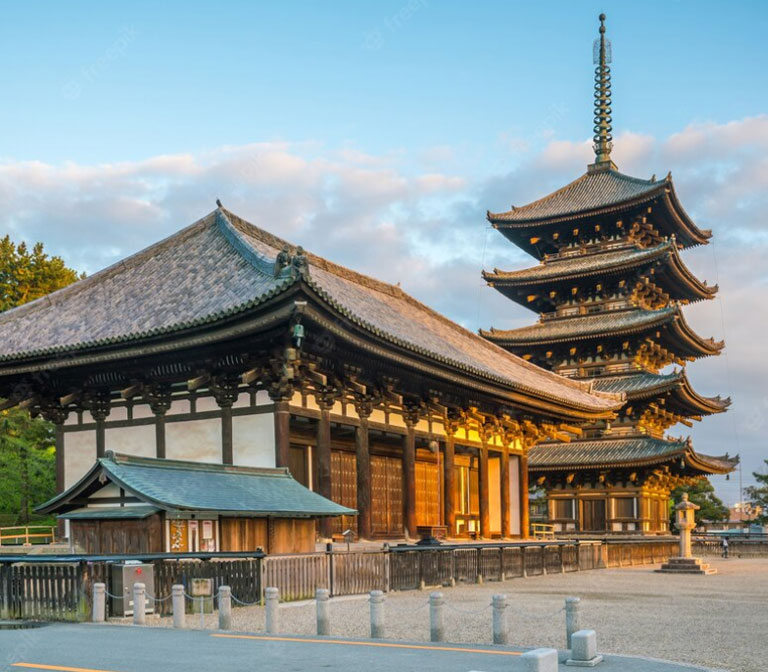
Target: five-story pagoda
{"points": [[609, 289]]}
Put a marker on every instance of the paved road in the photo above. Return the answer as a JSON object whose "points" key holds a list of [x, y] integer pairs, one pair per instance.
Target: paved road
{"points": [[92, 648]]}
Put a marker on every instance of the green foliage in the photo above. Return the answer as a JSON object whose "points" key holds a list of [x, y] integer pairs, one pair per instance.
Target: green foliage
{"points": [[702, 492], [27, 274], [27, 445], [758, 495], [27, 463]]}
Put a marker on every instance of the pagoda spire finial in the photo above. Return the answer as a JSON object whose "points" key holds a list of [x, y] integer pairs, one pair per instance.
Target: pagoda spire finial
{"points": [[603, 144]]}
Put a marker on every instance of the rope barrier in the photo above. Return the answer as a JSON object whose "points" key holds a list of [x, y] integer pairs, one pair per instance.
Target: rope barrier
{"points": [[245, 604]]}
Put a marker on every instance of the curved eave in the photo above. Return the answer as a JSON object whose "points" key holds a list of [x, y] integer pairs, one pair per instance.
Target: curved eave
{"points": [[689, 343], [691, 287], [637, 462], [708, 464]]}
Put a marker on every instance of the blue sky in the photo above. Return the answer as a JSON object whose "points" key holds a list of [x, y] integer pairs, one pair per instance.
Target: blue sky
{"points": [[378, 134]]}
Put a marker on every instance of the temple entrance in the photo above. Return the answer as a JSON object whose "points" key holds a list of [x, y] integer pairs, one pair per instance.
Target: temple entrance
{"points": [[467, 496], [593, 515], [427, 494], [386, 496], [344, 488]]}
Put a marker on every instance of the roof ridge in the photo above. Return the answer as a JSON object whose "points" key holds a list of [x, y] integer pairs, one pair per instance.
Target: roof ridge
{"points": [[112, 270], [165, 463]]}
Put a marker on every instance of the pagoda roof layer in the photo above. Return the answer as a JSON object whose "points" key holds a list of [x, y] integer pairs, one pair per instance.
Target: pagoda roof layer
{"points": [[602, 192], [221, 267], [625, 452], [637, 385], [682, 339], [603, 263]]}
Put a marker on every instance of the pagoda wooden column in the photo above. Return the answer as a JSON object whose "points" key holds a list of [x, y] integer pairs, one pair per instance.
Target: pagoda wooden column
{"points": [[99, 405], [449, 477], [280, 391], [524, 514], [363, 462], [59, 457], [504, 484], [485, 518], [411, 417]]}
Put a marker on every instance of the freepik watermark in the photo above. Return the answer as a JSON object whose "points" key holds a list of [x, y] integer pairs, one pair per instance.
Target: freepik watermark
{"points": [[90, 73], [373, 40]]}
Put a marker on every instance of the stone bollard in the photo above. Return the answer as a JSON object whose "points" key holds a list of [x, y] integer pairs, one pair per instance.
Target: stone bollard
{"points": [[322, 596], [436, 621], [99, 602], [500, 628], [377, 614], [572, 618], [139, 604], [539, 660], [272, 601], [179, 606], [225, 608], [584, 649]]}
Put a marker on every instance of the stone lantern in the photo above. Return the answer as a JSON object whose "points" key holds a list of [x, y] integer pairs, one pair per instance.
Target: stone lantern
{"points": [[686, 563]]}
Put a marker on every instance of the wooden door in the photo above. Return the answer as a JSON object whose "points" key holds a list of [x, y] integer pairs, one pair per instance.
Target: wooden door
{"points": [[243, 534], [427, 494], [386, 496], [593, 515], [344, 488]]}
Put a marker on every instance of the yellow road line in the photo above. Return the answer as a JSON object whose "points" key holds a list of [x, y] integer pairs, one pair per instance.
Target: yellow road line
{"points": [[351, 642], [58, 668]]}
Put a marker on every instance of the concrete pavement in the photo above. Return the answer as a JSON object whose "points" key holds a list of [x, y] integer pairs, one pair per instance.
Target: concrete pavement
{"points": [[94, 648]]}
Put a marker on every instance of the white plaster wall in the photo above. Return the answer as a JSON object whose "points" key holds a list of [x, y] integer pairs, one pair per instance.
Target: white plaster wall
{"points": [[142, 411], [514, 494], [195, 440], [79, 455], [179, 406], [118, 413], [253, 440], [378, 416], [243, 400], [494, 493], [262, 397], [206, 404], [139, 440], [109, 490]]}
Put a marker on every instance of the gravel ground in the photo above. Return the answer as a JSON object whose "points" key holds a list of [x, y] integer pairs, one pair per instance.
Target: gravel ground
{"points": [[718, 621]]}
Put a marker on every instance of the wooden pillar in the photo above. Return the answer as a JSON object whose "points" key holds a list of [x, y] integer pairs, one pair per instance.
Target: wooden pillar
{"points": [[485, 519], [409, 475], [449, 480], [160, 435], [59, 457], [227, 449], [323, 453], [282, 432], [524, 515], [363, 459], [504, 478]]}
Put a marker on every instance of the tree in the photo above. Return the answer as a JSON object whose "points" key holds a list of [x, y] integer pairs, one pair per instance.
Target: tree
{"points": [[758, 495], [27, 446], [702, 493]]}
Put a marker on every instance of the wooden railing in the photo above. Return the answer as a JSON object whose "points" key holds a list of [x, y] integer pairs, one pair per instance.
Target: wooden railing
{"points": [[59, 587], [27, 534], [543, 531]]}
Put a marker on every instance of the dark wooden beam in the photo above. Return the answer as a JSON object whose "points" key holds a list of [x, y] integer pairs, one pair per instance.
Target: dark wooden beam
{"points": [[449, 478], [362, 453]]}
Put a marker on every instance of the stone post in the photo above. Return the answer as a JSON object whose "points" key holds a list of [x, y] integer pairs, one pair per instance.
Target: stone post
{"points": [[572, 618], [323, 618], [99, 602], [272, 602], [225, 608], [139, 604], [584, 649], [179, 606], [539, 660], [436, 621], [500, 628], [685, 523], [377, 614]]}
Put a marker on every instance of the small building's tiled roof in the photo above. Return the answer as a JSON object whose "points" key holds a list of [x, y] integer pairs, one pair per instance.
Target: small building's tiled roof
{"points": [[223, 265], [175, 485], [592, 191], [624, 452], [610, 323], [132, 512]]}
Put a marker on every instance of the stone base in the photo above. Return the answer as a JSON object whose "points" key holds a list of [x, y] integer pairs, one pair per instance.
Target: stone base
{"points": [[585, 663], [686, 566]]}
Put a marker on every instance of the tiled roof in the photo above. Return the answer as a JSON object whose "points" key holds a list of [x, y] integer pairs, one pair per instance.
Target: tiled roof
{"points": [[192, 486], [599, 263], [222, 265], [567, 328], [132, 512], [631, 451], [592, 191]]}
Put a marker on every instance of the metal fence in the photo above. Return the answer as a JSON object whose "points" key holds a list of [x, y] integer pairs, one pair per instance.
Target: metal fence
{"points": [[60, 587]]}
